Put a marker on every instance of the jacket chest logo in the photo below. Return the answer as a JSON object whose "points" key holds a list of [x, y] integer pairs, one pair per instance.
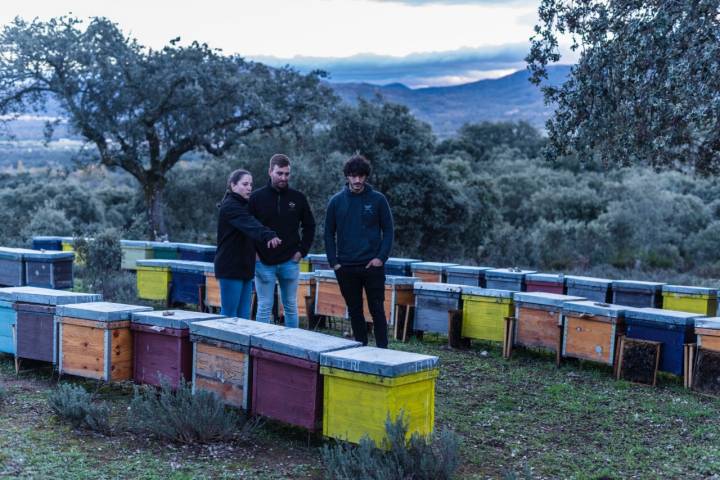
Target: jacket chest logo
{"points": [[367, 209], [291, 205]]}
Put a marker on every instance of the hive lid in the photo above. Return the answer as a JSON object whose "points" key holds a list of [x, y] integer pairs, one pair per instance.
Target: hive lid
{"points": [[305, 276], [438, 287], [467, 269], [709, 322], [546, 277], [431, 266], [689, 290], [299, 343], [135, 243], [48, 296], [48, 238], [14, 253], [486, 292], [99, 311], [512, 273], [8, 294], [155, 262], [573, 280], [398, 261], [657, 315], [171, 318], [237, 331], [48, 255], [637, 285], [164, 245], [191, 266], [325, 274], [379, 361], [196, 247], [543, 298], [596, 308], [400, 280], [316, 257]]}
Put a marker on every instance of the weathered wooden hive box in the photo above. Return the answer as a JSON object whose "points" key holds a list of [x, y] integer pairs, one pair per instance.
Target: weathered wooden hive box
{"points": [[212, 289], [8, 320], [708, 333], [95, 340], [364, 386], [196, 252], [539, 320], [433, 301], [134, 250], [153, 279], [512, 279], [306, 288], [161, 342], [329, 302], [484, 312], [398, 291], [690, 299], [12, 266], [545, 282], [188, 280], [221, 357], [671, 328], [595, 289], [591, 330], [37, 336], [637, 294], [47, 243], [49, 269], [401, 267], [164, 250], [286, 380], [318, 261], [464, 275], [431, 272]]}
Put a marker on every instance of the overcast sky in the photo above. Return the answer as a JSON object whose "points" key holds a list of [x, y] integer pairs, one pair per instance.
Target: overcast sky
{"points": [[415, 42]]}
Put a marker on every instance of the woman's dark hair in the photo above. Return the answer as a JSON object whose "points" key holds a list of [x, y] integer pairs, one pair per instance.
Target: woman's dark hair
{"points": [[357, 165], [234, 178]]}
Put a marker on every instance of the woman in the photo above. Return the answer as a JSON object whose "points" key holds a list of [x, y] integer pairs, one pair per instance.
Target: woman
{"points": [[235, 256]]}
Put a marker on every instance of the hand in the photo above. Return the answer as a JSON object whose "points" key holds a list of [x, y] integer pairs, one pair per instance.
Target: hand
{"points": [[336, 266], [297, 257], [375, 262], [274, 242]]}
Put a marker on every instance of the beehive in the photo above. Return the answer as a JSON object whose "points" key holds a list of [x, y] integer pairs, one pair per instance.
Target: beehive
{"points": [[329, 301], [463, 275], [399, 291], [708, 333], [671, 328], [221, 357], [286, 381], [164, 250], [484, 313], [188, 280], [12, 266], [401, 267], [67, 244], [591, 329], [545, 282], [512, 279], [49, 269], [595, 289], [161, 342], [365, 386], [538, 319], [690, 299], [8, 321], [637, 294], [47, 243], [433, 301], [196, 252], [134, 250], [318, 261], [304, 264], [153, 279], [37, 336], [95, 340], [431, 272], [306, 288]]}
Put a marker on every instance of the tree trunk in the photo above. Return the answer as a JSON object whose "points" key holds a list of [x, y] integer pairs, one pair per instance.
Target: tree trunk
{"points": [[155, 208]]}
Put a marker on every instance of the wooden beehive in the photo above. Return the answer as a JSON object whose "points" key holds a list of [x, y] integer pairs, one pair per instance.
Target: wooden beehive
{"points": [[305, 266], [153, 279], [161, 342], [47, 243], [164, 250], [95, 340], [196, 252], [399, 291], [221, 360], [212, 290], [484, 312], [637, 294], [134, 250], [8, 321], [690, 299], [318, 261], [538, 319], [365, 386], [306, 288], [595, 289], [465, 275], [188, 278], [329, 301], [286, 382], [431, 272], [512, 279], [49, 269], [433, 301], [591, 330], [401, 267], [707, 331], [545, 282], [12, 266]]}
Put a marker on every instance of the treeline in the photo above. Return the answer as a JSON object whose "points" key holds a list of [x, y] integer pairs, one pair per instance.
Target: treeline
{"points": [[485, 196]]}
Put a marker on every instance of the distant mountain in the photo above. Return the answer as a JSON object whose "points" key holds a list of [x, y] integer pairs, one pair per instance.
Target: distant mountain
{"points": [[509, 98]]}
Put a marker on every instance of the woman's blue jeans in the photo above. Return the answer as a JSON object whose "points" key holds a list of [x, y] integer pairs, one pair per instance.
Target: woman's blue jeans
{"points": [[235, 297]]}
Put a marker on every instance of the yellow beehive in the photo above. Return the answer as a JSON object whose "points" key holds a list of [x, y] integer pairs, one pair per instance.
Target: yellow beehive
{"points": [[484, 311], [690, 299], [385, 384], [153, 279], [305, 265]]}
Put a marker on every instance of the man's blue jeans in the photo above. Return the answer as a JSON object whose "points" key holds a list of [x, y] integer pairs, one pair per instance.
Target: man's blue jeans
{"points": [[235, 297], [286, 274]]}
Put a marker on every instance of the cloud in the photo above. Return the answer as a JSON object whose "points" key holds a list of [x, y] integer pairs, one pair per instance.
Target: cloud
{"points": [[421, 3], [418, 69]]}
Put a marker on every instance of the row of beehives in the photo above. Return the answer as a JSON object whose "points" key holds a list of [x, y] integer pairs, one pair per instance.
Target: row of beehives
{"points": [[37, 268], [303, 378]]}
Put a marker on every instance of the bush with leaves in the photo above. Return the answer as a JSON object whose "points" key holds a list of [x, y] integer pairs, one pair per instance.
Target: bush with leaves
{"points": [[418, 458], [75, 404]]}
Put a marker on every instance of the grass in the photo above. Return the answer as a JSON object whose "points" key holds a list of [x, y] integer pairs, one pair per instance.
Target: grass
{"points": [[522, 418]]}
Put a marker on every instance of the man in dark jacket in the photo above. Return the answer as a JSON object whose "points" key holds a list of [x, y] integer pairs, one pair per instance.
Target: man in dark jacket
{"points": [[287, 212], [358, 240]]}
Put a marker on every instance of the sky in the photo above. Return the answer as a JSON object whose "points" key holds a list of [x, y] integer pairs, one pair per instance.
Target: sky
{"points": [[415, 42]]}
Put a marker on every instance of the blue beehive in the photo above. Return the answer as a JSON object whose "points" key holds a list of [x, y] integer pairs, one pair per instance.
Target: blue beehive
{"points": [[637, 294], [672, 328], [196, 252], [400, 266], [8, 320], [467, 275], [595, 289], [512, 279], [433, 301], [318, 261], [47, 243], [187, 279], [49, 269], [12, 266]]}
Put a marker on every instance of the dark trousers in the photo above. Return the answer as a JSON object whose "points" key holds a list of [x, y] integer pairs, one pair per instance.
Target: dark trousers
{"points": [[352, 280]]}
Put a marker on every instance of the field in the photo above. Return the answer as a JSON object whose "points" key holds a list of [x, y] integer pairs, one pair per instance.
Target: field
{"points": [[518, 419]]}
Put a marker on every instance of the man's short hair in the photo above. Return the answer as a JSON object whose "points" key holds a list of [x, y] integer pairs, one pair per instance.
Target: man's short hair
{"points": [[357, 165], [279, 160]]}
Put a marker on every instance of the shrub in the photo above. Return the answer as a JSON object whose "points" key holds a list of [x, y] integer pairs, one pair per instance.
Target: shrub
{"points": [[417, 458], [74, 404], [101, 257], [179, 416]]}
